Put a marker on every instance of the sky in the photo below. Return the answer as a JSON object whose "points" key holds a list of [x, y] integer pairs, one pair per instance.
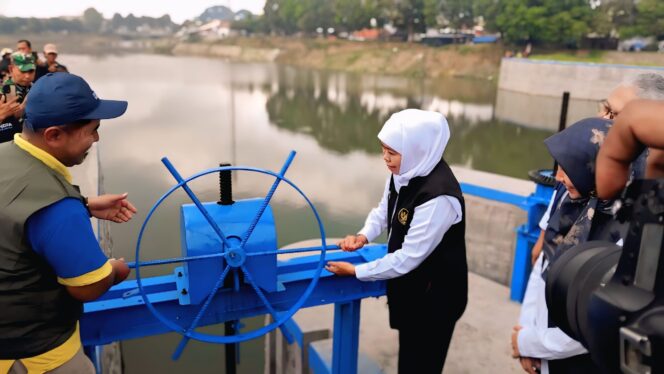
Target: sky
{"points": [[179, 10]]}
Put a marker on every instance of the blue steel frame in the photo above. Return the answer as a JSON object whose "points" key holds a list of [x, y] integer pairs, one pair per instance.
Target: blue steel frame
{"points": [[127, 301], [527, 234]]}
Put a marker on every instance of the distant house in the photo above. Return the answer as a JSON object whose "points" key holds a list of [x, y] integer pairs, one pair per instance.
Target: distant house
{"points": [[213, 30], [365, 34], [216, 29]]}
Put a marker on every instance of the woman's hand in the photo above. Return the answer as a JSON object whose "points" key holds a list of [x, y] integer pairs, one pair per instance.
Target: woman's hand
{"points": [[530, 365], [110, 207], [353, 242], [340, 268], [515, 341]]}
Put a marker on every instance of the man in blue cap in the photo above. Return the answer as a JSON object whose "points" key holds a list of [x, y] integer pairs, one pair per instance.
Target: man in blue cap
{"points": [[50, 260]]}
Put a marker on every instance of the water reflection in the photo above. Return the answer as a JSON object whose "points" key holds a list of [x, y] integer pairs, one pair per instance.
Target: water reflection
{"points": [[344, 114], [542, 112]]}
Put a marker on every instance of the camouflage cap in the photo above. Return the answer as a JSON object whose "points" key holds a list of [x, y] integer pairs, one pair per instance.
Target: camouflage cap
{"points": [[24, 62]]}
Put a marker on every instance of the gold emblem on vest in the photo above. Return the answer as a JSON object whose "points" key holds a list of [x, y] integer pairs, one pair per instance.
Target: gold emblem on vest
{"points": [[403, 216]]}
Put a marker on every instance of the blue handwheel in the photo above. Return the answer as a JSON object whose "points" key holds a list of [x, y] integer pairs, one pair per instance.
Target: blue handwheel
{"points": [[235, 257]]}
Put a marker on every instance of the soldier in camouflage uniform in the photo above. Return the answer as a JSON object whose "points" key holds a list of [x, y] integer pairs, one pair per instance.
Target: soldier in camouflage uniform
{"points": [[15, 88]]}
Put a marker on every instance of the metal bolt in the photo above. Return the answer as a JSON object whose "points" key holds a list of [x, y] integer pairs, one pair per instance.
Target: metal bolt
{"points": [[184, 291], [180, 274]]}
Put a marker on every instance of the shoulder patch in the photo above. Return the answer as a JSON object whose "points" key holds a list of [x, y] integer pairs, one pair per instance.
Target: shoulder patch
{"points": [[403, 216]]}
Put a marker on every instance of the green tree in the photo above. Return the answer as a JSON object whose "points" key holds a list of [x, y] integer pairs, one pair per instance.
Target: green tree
{"points": [[488, 10], [431, 12], [351, 15], [613, 15], [281, 16], [458, 13], [315, 14], [544, 21], [649, 20], [92, 20], [409, 16]]}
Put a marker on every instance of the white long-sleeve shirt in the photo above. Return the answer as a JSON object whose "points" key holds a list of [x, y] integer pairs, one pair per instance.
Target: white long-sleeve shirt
{"points": [[536, 339], [430, 222]]}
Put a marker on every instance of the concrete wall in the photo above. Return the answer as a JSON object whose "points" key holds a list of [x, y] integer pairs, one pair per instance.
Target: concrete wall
{"points": [[541, 112], [491, 225], [551, 78], [226, 51]]}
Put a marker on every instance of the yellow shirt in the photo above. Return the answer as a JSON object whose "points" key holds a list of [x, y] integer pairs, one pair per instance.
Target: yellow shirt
{"points": [[64, 352]]}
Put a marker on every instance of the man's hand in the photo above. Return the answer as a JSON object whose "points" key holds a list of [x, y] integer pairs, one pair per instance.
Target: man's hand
{"points": [[110, 207], [19, 109], [530, 365], [95, 290], [353, 242], [8, 108], [340, 268], [120, 269], [515, 341]]}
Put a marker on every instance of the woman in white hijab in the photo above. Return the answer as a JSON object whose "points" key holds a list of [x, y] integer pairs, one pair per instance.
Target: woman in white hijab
{"points": [[425, 267]]}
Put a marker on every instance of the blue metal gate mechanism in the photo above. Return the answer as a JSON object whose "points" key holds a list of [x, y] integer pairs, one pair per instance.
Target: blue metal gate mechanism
{"points": [[230, 270]]}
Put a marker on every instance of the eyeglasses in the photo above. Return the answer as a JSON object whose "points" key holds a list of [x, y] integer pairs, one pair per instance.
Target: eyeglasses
{"points": [[605, 111]]}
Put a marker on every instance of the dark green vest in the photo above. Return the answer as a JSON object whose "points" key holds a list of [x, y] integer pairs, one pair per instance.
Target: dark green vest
{"points": [[36, 312]]}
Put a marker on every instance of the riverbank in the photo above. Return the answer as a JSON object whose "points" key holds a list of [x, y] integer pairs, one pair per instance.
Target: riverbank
{"points": [[404, 59]]}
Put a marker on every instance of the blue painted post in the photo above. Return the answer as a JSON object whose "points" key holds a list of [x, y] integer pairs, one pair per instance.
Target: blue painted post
{"points": [[345, 342], [94, 354], [526, 237]]}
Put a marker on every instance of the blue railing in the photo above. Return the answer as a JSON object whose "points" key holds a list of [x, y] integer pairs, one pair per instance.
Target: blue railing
{"points": [[527, 234]]}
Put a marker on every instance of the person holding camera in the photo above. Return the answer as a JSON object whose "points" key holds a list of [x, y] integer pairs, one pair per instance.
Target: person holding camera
{"points": [[51, 65], [579, 217], [15, 90]]}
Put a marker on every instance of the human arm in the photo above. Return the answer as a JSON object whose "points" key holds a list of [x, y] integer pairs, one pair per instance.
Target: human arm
{"points": [[543, 224], [61, 233], [639, 125], [93, 291], [116, 208], [537, 247], [430, 222], [528, 312], [374, 225]]}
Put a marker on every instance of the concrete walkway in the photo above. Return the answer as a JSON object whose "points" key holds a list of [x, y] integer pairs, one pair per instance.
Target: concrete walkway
{"points": [[480, 343]]}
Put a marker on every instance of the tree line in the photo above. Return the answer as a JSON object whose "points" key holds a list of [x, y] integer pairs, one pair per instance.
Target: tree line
{"points": [[553, 22], [91, 21]]}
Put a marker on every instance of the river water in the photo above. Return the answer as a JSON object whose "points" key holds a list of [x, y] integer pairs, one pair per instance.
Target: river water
{"points": [[199, 112]]}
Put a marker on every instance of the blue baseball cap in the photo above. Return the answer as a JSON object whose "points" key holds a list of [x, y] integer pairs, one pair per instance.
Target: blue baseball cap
{"points": [[62, 98]]}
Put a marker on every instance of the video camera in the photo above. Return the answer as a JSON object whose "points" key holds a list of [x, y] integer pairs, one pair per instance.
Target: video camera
{"points": [[611, 299]]}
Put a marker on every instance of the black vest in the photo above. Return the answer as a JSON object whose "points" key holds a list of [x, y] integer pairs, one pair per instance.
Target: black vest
{"points": [[436, 292], [37, 313]]}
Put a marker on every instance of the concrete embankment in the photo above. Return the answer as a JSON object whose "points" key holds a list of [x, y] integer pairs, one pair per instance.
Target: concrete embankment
{"points": [[407, 59], [586, 81], [530, 91]]}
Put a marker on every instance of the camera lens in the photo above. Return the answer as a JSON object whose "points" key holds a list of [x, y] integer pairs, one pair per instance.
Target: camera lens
{"points": [[571, 280]]}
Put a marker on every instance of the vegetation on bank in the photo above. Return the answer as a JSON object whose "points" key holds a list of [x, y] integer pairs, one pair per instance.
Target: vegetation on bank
{"points": [[390, 58], [551, 23]]}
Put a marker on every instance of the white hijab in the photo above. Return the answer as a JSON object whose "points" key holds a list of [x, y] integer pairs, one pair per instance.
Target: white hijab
{"points": [[420, 137]]}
